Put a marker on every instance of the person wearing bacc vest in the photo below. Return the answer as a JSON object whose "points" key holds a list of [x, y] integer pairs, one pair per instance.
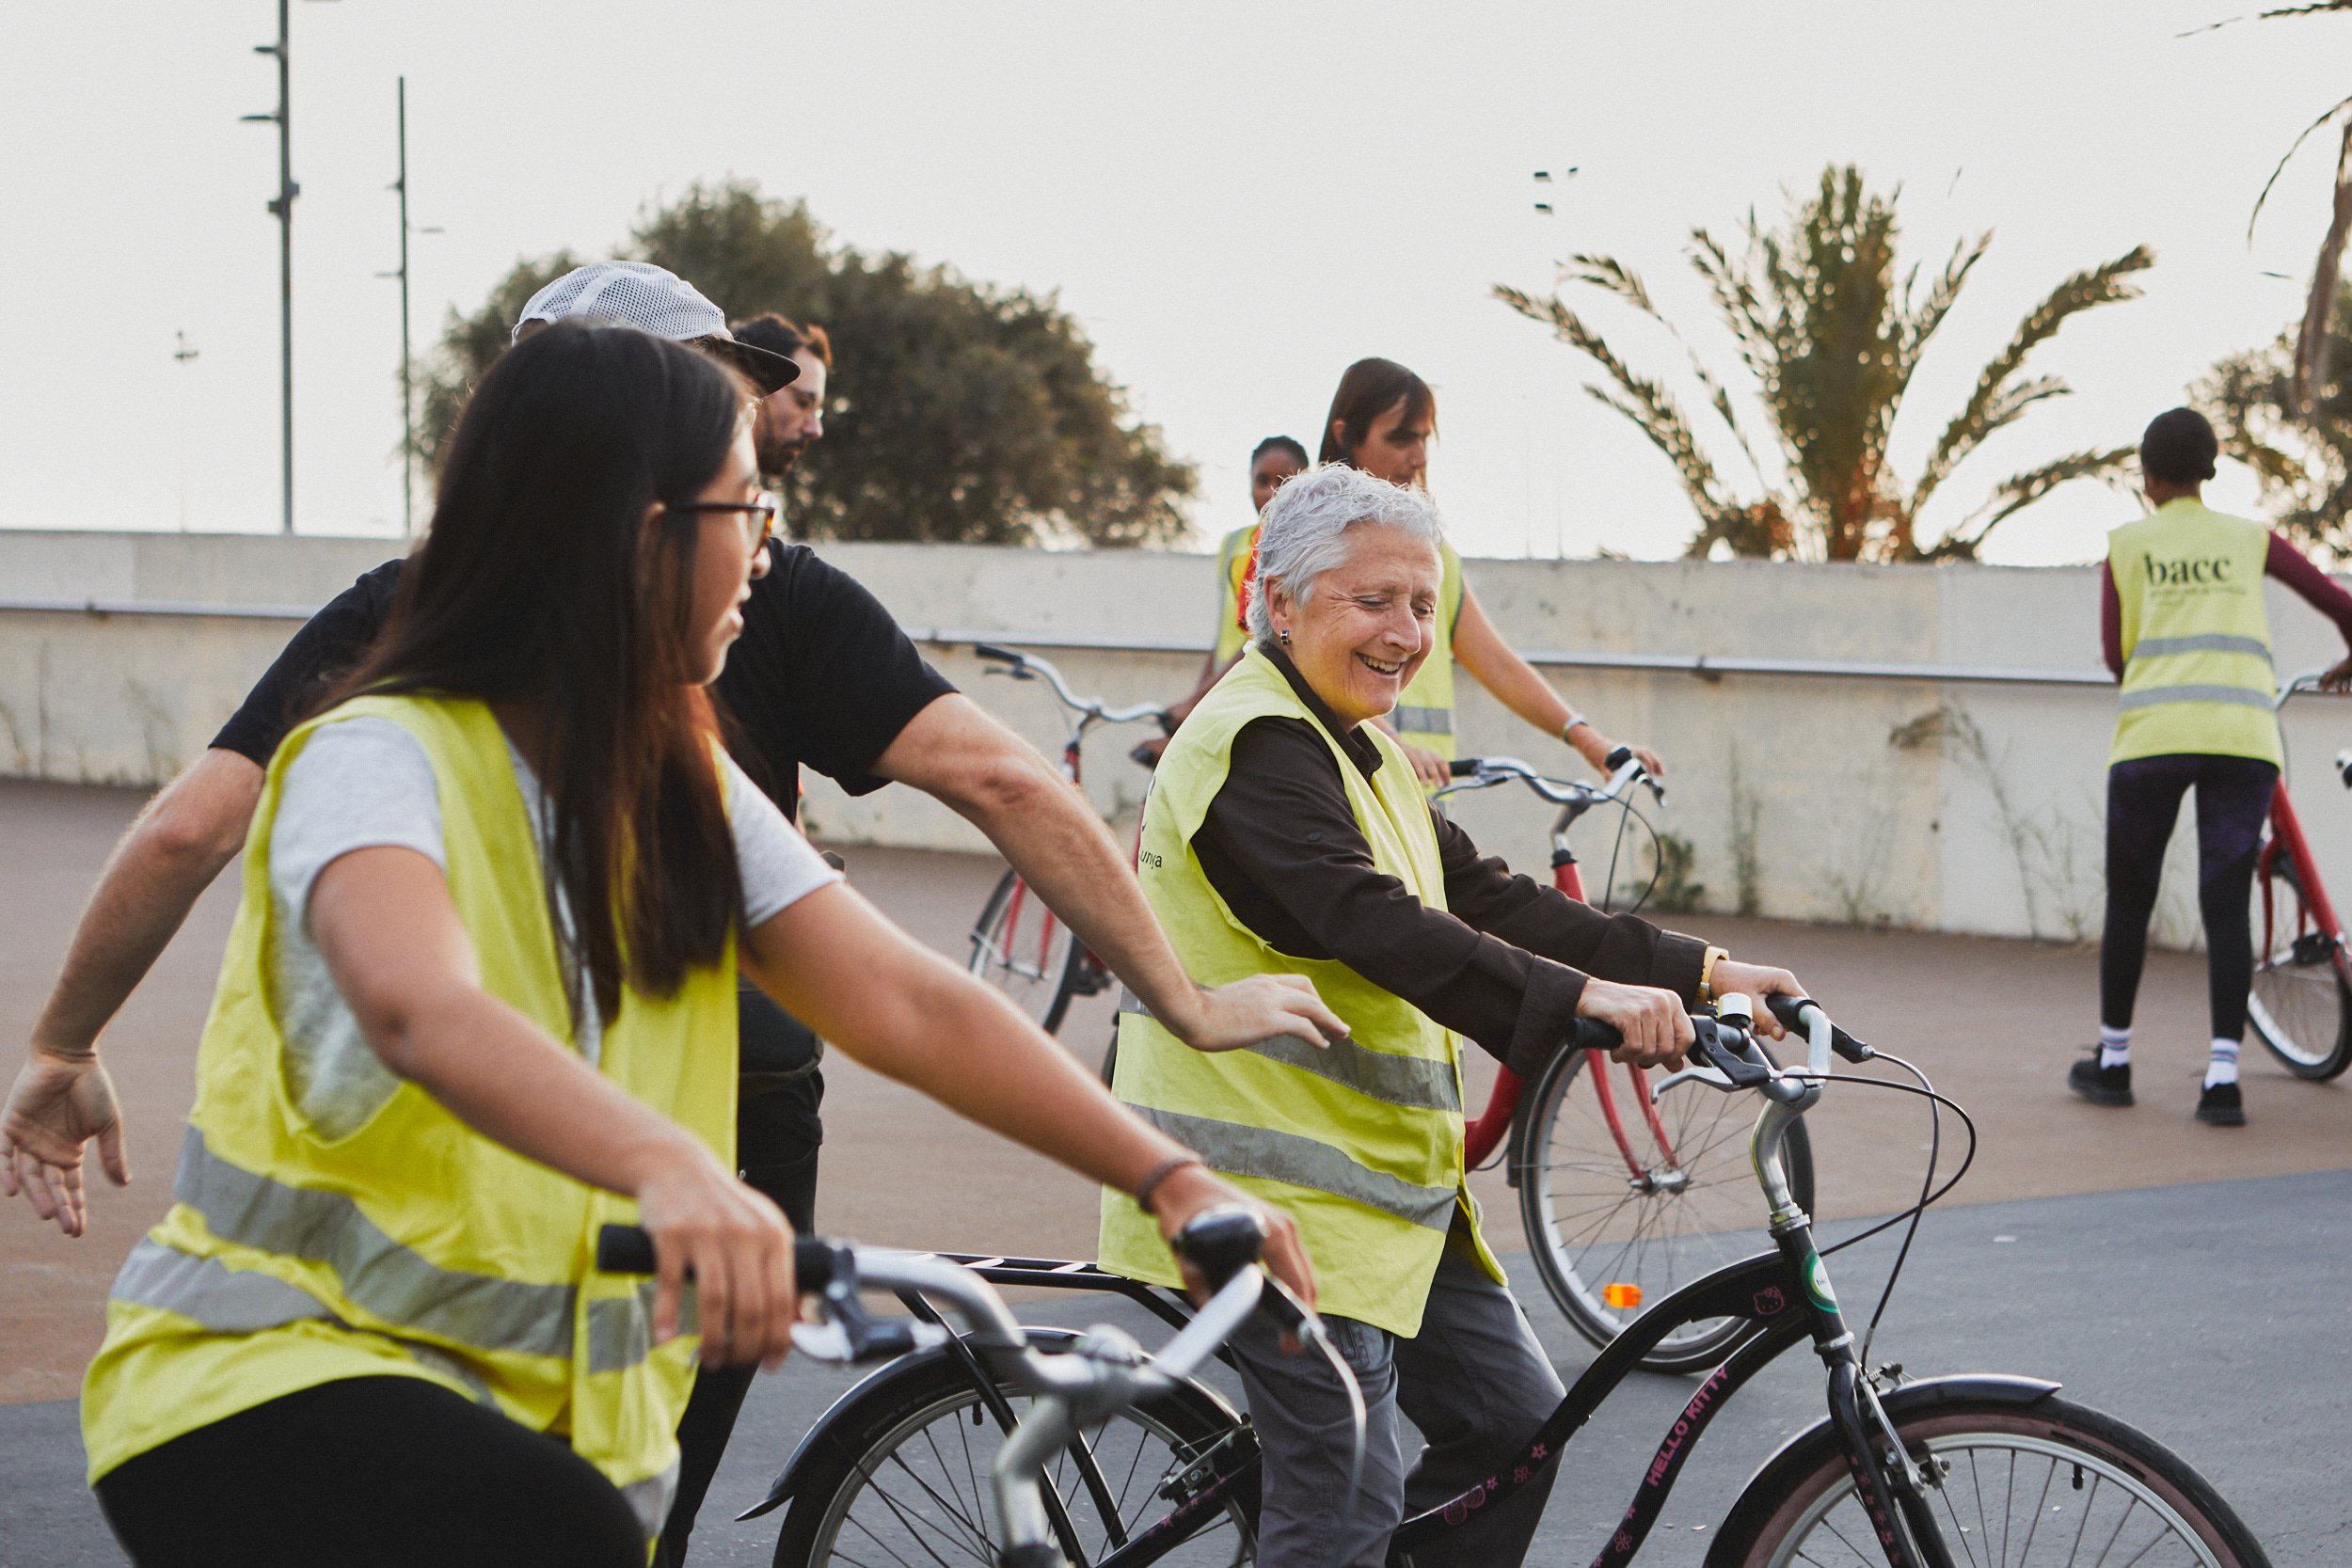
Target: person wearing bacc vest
{"points": [[1287, 834], [2183, 629], [480, 1000]]}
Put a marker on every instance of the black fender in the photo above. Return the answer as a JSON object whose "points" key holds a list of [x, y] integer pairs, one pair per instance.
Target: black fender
{"points": [[849, 1412], [1926, 1394]]}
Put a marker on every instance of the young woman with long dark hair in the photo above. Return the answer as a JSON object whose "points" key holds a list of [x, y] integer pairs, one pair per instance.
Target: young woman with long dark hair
{"points": [[479, 1001], [1381, 421]]}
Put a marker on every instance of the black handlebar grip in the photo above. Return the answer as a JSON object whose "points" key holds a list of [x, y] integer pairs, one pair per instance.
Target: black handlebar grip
{"points": [[1462, 768], [1593, 1035], [1785, 1007], [1617, 758], [1221, 1242], [629, 1249], [989, 650]]}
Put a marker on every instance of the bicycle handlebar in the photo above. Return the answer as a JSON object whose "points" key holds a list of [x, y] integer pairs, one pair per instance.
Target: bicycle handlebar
{"points": [[1104, 1371], [1487, 772], [1029, 667]]}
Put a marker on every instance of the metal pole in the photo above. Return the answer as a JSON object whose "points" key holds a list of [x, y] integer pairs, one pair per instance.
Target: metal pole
{"points": [[285, 261], [408, 391]]}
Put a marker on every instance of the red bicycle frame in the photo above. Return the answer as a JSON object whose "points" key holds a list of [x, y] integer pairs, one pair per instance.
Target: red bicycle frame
{"points": [[1482, 1137], [2287, 830]]}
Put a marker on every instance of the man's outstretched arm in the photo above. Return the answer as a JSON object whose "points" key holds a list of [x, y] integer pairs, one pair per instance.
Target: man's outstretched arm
{"points": [[999, 782], [62, 1099]]}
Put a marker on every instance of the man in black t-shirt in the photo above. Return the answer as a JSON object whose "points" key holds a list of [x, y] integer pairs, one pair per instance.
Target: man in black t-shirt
{"points": [[822, 677]]}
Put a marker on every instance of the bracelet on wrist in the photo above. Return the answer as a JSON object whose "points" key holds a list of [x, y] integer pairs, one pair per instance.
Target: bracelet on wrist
{"points": [[1160, 1173], [1574, 720], [1706, 975]]}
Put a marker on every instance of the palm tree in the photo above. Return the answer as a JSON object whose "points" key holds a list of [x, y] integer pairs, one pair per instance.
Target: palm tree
{"points": [[2311, 348], [1831, 340]]}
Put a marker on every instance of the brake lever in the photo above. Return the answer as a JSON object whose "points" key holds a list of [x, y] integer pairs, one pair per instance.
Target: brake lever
{"points": [[1706, 1075]]}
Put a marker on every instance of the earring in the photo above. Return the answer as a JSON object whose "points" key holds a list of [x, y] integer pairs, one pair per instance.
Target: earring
{"points": [[1283, 638]]}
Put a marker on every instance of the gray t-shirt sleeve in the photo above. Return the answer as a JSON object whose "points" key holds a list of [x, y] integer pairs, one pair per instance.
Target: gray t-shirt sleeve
{"points": [[360, 784], [778, 866]]}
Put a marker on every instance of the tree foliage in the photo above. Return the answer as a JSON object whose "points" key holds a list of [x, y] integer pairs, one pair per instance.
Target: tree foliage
{"points": [[2303, 460], [1830, 338], [956, 410]]}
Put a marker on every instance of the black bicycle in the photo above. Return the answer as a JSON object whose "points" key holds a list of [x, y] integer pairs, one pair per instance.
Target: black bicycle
{"points": [[1954, 1472]]}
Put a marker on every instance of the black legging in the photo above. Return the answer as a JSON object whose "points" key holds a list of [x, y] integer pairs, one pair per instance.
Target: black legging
{"points": [[393, 1471], [2143, 802]]}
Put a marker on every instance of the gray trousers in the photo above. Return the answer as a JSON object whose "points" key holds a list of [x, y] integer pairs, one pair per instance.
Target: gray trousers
{"points": [[1474, 1380]]}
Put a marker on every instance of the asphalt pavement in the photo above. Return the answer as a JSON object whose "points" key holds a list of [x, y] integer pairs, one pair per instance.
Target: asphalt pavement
{"points": [[2095, 1247]]}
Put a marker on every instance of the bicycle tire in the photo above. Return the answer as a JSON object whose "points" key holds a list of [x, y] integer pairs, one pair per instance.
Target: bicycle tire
{"points": [[2121, 1495], [2298, 1004], [1593, 1224], [907, 1480], [1042, 990]]}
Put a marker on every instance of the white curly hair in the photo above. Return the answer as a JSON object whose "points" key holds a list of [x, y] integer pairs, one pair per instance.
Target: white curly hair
{"points": [[1304, 534]]}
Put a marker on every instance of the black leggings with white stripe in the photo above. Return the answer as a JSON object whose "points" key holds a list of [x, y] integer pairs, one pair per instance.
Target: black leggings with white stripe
{"points": [[369, 1472]]}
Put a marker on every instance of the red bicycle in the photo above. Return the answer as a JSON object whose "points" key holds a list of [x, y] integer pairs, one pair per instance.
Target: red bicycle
{"points": [[2302, 975], [1018, 944], [1623, 1200]]}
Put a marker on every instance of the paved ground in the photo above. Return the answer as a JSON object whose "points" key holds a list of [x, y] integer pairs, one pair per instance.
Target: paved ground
{"points": [[1994, 1023]]}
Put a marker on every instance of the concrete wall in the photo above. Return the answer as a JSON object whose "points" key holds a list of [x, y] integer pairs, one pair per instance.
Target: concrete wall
{"points": [[1943, 805]]}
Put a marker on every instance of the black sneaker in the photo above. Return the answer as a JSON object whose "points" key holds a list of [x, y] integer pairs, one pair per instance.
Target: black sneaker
{"points": [[2222, 1105], [2101, 1086]]}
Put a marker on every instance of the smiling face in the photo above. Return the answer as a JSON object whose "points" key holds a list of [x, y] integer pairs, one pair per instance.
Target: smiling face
{"points": [[1266, 474], [724, 561], [1360, 633], [1396, 447]]}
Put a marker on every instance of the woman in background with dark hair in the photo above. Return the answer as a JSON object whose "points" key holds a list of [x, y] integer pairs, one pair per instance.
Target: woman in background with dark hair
{"points": [[479, 1001], [1381, 421]]}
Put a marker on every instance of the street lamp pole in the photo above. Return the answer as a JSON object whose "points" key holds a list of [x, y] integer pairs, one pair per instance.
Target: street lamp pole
{"points": [[407, 361], [282, 208]]}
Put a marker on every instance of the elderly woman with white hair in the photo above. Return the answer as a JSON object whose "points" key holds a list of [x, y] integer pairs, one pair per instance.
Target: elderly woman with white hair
{"points": [[1286, 835]]}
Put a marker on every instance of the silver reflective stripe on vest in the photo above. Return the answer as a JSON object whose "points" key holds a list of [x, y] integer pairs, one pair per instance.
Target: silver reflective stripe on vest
{"points": [[1425, 720], [620, 1328], [206, 1291], [1303, 1162], [2157, 696], [649, 1500], [392, 1282], [1413, 1082], [2204, 642], [1409, 1080], [450, 1366]]}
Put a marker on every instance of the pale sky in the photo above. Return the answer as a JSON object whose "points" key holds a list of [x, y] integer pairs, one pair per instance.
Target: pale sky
{"points": [[1235, 200]]}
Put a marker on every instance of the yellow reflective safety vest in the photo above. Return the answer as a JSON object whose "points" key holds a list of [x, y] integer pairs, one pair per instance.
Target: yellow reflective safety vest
{"points": [[1424, 711], [1362, 1144], [2196, 642], [412, 1245]]}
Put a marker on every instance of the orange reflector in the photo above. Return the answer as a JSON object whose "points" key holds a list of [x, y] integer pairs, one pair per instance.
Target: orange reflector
{"points": [[1621, 1295]]}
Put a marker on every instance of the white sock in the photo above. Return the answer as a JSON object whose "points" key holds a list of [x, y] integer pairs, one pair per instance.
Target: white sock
{"points": [[2223, 1068], [2115, 1046]]}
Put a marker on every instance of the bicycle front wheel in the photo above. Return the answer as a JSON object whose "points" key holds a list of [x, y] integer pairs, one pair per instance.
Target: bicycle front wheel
{"points": [[1025, 950], [1625, 1202], [909, 1482], [2298, 1004], [2010, 1487]]}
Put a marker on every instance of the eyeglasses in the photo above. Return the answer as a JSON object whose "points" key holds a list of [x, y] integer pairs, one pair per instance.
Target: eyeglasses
{"points": [[761, 512]]}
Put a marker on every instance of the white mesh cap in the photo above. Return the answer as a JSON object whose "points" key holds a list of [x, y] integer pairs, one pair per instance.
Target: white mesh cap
{"points": [[634, 294], [653, 299]]}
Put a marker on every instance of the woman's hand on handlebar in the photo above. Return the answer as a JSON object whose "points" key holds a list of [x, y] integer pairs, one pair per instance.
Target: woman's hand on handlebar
{"points": [[1756, 982], [1428, 767], [738, 1246], [1656, 1029], [1191, 1189]]}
